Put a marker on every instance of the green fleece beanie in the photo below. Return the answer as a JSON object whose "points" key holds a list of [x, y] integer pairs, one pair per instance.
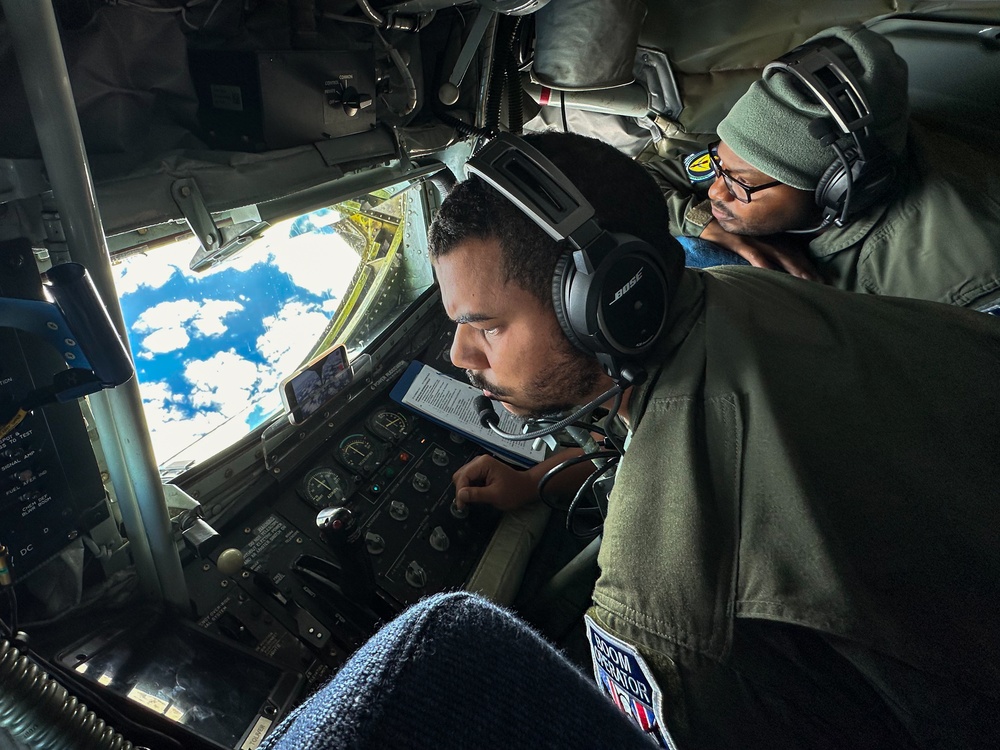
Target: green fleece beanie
{"points": [[768, 126]]}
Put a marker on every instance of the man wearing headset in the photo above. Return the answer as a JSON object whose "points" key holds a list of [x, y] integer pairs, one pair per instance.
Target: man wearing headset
{"points": [[923, 215], [801, 547]]}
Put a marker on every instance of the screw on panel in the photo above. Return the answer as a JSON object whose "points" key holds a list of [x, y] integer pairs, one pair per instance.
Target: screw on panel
{"points": [[224, 583], [70, 356], [206, 567], [69, 342], [52, 326]]}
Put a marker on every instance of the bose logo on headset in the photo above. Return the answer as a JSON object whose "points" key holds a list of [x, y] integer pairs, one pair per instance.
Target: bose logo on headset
{"points": [[602, 267], [624, 290], [862, 173]]}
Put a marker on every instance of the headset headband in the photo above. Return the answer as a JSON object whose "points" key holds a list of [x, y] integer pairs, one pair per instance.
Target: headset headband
{"points": [[539, 189], [828, 77]]}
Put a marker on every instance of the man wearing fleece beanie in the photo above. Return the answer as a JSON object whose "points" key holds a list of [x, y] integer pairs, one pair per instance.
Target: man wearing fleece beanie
{"points": [[922, 221]]}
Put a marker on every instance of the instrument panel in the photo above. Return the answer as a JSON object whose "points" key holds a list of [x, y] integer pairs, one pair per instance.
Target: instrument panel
{"points": [[308, 593]]}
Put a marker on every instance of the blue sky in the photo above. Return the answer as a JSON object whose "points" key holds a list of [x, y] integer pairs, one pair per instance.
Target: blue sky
{"points": [[210, 349]]}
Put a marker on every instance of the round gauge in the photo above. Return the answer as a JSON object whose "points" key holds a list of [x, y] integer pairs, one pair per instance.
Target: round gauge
{"points": [[323, 487], [359, 453], [388, 424]]}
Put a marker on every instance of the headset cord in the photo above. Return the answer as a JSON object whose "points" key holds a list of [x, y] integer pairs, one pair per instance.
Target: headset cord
{"points": [[575, 508]]}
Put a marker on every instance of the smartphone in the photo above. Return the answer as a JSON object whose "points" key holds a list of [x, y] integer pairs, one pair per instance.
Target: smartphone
{"points": [[309, 388]]}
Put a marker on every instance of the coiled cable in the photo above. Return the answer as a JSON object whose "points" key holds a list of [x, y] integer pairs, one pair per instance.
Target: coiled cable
{"points": [[42, 713]]}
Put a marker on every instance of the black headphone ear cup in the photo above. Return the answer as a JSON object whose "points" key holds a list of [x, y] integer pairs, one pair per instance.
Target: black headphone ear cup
{"points": [[872, 182], [831, 188], [562, 277]]}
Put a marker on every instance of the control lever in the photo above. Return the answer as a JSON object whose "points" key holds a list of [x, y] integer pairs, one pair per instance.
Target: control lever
{"points": [[356, 579], [323, 579], [310, 629]]}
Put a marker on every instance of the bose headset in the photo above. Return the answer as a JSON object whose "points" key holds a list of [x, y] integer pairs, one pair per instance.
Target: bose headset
{"points": [[610, 291], [863, 172]]}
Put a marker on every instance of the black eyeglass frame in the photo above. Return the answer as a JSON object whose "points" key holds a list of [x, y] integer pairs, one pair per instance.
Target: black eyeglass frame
{"points": [[730, 181]]}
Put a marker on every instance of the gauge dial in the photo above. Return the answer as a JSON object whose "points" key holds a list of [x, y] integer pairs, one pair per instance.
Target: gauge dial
{"points": [[323, 487], [359, 453], [388, 424]]}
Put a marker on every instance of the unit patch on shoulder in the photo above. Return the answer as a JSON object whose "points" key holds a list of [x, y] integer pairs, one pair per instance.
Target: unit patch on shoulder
{"points": [[624, 675], [698, 167]]}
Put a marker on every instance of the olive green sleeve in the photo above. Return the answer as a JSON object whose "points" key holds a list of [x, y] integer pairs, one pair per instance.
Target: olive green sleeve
{"points": [[689, 208]]}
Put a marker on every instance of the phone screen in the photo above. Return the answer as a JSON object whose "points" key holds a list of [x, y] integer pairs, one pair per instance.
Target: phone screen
{"points": [[308, 389]]}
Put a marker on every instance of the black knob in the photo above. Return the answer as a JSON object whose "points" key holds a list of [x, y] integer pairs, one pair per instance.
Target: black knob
{"points": [[348, 97]]}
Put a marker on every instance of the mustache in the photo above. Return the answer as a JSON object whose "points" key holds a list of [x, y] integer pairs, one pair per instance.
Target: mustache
{"points": [[484, 385], [723, 210]]}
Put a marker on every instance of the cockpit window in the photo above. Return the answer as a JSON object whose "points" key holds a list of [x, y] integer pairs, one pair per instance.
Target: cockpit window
{"points": [[212, 346]]}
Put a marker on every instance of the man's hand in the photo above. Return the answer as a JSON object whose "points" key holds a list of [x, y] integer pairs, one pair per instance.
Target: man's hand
{"points": [[763, 254], [486, 480]]}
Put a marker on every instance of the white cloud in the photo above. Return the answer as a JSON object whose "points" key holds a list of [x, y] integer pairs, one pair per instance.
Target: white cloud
{"points": [[322, 263], [154, 268], [165, 340], [209, 319], [166, 315], [170, 325], [171, 429], [289, 336], [225, 381]]}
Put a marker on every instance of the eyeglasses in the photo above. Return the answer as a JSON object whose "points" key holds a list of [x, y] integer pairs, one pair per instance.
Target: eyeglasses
{"points": [[739, 190]]}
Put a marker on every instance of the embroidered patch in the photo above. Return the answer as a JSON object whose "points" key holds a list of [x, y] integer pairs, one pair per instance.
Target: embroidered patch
{"points": [[699, 167], [623, 674]]}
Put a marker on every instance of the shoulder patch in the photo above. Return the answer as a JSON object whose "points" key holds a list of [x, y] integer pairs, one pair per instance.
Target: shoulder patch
{"points": [[698, 167], [626, 678]]}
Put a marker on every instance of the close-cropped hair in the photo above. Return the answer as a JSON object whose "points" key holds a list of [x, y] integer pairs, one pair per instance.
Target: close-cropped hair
{"points": [[624, 196]]}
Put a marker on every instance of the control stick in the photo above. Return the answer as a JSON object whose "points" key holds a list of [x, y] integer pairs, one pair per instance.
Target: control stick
{"points": [[340, 530]]}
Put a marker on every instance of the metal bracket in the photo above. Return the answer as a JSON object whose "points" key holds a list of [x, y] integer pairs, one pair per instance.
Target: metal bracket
{"points": [[217, 243]]}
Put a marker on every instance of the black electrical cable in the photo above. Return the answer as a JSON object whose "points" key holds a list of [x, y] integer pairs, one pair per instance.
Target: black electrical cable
{"points": [[515, 111], [574, 507], [498, 73], [562, 107], [562, 466], [849, 177], [606, 426]]}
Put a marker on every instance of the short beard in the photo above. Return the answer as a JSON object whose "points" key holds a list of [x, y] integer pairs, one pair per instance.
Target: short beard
{"points": [[567, 383]]}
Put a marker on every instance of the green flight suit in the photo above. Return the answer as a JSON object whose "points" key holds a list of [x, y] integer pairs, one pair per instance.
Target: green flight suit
{"points": [[937, 239], [803, 542]]}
